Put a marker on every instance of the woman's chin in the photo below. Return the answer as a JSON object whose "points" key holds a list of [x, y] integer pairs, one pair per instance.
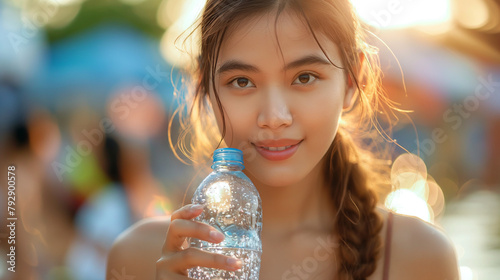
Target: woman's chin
{"points": [[272, 180]]}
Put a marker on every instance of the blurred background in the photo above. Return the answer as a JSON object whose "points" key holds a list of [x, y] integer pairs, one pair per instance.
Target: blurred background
{"points": [[86, 94]]}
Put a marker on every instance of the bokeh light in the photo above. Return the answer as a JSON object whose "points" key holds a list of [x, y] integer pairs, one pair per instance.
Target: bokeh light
{"points": [[406, 170], [436, 198], [64, 15], [472, 16], [159, 206], [132, 2], [64, 2], [466, 273], [386, 14], [414, 192], [219, 196], [406, 202]]}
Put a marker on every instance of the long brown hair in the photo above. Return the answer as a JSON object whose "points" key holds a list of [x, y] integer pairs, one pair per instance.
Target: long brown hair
{"points": [[356, 157]]}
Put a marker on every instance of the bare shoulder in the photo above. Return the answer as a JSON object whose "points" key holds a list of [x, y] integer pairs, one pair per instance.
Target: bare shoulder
{"points": [[421, 250], [135, 252]]}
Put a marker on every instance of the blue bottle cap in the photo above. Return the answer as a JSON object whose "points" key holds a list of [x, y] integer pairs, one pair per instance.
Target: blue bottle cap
{"points": [[229, 155]]}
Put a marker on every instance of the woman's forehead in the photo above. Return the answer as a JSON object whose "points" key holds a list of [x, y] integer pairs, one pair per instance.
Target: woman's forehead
{"points": [[287, 34]]}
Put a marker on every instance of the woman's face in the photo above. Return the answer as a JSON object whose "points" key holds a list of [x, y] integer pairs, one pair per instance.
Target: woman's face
{"points": [[269, 95]]}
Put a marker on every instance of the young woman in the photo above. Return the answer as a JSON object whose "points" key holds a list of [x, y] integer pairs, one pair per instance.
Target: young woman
{"points": [[293, 74]]}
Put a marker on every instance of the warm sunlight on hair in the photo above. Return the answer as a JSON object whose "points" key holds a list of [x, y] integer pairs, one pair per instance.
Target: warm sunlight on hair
{"points": [[183, 15], [390, 14]]}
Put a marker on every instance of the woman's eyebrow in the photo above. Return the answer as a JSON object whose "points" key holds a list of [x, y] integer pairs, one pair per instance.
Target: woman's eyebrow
{"points": [[238, 65], [307, 60]]}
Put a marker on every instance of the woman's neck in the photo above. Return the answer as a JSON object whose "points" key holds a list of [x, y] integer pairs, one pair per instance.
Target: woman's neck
{"points": [[304, 205]]}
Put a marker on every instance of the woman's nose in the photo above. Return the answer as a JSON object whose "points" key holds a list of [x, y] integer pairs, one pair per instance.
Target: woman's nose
{"points": [[275, 110]]}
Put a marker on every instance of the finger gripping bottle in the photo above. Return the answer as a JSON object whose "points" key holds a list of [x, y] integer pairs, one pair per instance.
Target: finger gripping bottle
{"points": [[233, 206]]}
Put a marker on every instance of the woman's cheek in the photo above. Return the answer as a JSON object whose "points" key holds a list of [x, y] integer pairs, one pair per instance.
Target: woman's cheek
{"points": [[237, 123]]}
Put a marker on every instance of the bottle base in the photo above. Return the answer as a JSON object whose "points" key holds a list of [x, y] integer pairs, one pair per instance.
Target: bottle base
{"points": [[249, 270]]}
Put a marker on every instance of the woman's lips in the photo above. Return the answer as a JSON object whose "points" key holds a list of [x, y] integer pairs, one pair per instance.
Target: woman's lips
{"points": [[278, 155]]}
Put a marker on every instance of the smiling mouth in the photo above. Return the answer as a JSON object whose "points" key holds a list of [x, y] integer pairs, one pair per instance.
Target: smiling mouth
{"points": [[276, 148], [277, 153]]}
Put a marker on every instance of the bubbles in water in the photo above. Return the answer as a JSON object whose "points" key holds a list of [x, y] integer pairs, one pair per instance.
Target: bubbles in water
{"points": [[249, 269], [232, 206]]}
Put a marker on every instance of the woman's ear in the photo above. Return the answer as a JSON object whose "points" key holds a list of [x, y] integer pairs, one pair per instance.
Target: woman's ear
{"points": [[351, 85]]}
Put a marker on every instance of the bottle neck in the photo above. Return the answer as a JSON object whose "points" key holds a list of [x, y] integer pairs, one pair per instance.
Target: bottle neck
{"points": [[227, 166]]}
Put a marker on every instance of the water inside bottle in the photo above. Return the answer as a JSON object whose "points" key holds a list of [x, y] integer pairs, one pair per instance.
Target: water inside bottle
{"points": [[249, 270], [231, 205]]}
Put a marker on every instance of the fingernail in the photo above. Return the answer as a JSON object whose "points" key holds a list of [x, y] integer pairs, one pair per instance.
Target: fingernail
{"points": [[216, 235], [195, 207], [233, 262]]}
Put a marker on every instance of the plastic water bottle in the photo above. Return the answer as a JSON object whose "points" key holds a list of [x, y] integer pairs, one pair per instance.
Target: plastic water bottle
{"points": [[233, 206]]}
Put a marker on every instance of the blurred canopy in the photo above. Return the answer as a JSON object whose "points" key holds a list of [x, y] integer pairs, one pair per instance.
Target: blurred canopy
{"points": [[93, 13]]}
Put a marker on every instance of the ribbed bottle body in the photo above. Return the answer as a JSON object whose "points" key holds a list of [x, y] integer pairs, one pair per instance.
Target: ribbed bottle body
{"points": [[233, 206]]}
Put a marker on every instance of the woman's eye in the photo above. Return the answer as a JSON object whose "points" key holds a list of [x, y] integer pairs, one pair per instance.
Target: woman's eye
{"points": [[242, 83], [305, 79]]}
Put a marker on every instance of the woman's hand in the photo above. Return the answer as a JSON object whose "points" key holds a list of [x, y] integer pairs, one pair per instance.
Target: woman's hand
{"points": [[175, 260]]}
